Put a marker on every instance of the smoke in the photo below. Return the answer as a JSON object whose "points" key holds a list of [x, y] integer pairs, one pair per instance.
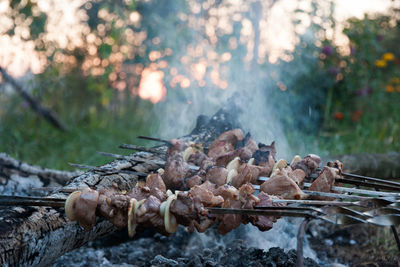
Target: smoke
{"points": [[223, 38], [227, 39]]}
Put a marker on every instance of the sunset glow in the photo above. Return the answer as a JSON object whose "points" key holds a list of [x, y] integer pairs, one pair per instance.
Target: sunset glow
{"points": [[151, 85]]}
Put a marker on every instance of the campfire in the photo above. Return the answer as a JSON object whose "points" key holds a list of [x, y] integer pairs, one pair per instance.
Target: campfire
{"points": [[224, 180]]}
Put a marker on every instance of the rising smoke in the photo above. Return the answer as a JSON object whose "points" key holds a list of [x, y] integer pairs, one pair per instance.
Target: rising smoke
{"points": [[227, 38]]}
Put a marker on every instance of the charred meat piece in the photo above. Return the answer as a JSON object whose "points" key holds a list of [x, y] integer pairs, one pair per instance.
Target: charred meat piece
{"points": [[206, 197], [148, 214], [308, 164], [231, 136], [283, 186], [183, 209], [220, 149], [225, 143], [228, 222], [264, 223], [264, 151], [246, 174], [193, 180], [242, 198], [197, 158], [189, 210], [177, 146], [297, 175], [113, 206], [244, 153], [176, 169], [217, 175], [337, 165], [154, 180], [325, 180], [207, 163], [246, 196]]}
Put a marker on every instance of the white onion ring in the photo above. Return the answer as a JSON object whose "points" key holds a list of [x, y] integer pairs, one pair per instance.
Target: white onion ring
{"points": [[251, 161], [280, 164], [233, 164], [133, 207], [169, 220], [70, 207], [295, 159], [188, 152], [232, 173]]}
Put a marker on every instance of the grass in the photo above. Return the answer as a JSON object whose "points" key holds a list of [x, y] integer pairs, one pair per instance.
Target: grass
{"points": [[31, 139]]}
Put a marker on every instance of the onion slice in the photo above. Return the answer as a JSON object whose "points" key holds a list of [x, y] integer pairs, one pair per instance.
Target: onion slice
{"points": [[232, 173], [279, 165], [233, 164], [133, 207], [70, 205], [295, 159], [169, 219]]}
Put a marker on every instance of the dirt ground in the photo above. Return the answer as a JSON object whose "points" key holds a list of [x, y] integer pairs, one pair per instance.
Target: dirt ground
{"points": [[356, 245]]}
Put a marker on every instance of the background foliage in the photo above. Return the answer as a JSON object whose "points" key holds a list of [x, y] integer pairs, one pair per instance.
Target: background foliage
{"points": [[336, 99]]}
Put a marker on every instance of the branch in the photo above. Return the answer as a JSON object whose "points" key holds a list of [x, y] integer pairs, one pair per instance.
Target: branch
{"points": [[48, 114]]}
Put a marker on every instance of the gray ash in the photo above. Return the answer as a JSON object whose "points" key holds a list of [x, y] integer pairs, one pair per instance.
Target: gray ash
{"points": [[180, 249]]}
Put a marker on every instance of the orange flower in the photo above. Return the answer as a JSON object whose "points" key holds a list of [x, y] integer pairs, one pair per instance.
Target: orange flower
{"points": [[338, 116], [389, 88], [380, 63], [388, 57], [398, 88], [356, 115]]}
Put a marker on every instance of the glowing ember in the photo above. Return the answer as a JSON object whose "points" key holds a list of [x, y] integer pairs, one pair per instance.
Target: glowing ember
{"points": [[151, 85]]}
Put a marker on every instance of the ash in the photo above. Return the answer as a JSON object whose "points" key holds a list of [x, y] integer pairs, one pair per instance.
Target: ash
{"points": [[180, 249]]}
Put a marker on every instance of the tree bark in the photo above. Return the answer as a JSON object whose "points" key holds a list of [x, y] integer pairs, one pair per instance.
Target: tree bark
{"points": [[18, 178], [36, 236]]}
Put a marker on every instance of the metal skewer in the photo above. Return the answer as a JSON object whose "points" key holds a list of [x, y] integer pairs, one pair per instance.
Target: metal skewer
{"points": [[141, 148], [154, 139], [30, 201]]}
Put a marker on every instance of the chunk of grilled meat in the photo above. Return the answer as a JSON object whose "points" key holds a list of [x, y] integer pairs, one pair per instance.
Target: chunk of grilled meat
{"points": [[265, 223], [283, 186], [308, 164], [324, 182], [244, 153], [225, 143], [176, 169]]}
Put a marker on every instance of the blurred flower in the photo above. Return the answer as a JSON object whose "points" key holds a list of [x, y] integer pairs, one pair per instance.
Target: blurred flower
{"points": [[398, 88], [380, 63], [395, 80], [389, 88], [355, 116], [327, 50], [333, 71], [364, 91], [352, 50], [388, 57], [380, 37], [338, 116]]}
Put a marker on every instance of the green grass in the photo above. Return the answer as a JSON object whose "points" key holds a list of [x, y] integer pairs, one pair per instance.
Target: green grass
{"points": [[33, 140]]}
